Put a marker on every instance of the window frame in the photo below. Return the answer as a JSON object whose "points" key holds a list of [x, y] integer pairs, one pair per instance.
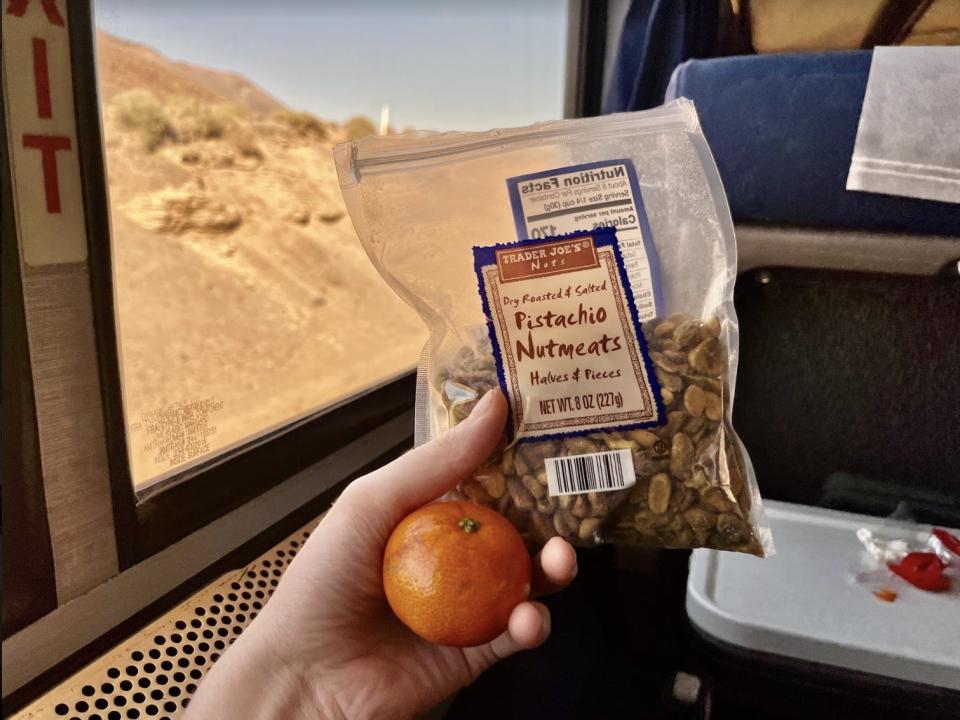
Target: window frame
{"points": [[206, 492], [28, 566], [587, 30]]}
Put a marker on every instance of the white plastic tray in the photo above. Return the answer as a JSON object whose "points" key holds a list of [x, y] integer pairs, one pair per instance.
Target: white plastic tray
{"points": [[803, 603]]}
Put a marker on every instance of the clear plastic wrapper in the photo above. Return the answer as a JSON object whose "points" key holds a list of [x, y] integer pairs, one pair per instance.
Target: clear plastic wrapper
{"points": [[891, 561], [585, 267]]}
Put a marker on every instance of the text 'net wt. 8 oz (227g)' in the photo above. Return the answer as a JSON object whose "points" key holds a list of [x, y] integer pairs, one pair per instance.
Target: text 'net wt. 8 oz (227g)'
{"points": [[586, 267]]}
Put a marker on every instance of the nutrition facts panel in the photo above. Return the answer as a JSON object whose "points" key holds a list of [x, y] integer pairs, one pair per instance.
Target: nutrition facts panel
{"points": [[586, 197]]}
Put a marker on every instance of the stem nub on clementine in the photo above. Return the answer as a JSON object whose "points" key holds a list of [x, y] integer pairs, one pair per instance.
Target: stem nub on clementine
{"points": [[454, 571]]}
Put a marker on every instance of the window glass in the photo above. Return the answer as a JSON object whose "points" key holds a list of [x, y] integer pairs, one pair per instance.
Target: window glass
{"points": [[244, 300]]}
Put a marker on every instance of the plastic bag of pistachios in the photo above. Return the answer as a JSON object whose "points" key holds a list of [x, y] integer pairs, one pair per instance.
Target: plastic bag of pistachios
{"points": [[586, 267]]}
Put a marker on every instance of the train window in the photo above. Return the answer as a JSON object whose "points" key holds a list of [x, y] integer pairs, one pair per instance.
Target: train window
{"points": [[244, 301]]}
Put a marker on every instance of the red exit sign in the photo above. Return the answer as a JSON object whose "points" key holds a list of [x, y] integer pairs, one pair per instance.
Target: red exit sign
{"points": [[41, 132]]}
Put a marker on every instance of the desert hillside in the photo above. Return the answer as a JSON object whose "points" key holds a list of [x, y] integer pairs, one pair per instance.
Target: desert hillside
{"points": [[244, 297], [126, 65]]}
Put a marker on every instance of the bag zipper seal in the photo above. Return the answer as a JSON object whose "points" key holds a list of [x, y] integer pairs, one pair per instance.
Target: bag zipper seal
{"points": [[680, 113]]}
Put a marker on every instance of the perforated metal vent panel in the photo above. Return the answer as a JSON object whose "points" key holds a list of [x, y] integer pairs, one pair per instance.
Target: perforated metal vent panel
{"points": [[154, 673]]}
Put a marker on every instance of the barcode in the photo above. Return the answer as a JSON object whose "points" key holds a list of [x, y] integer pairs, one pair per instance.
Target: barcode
{"points": [[589, 473]]}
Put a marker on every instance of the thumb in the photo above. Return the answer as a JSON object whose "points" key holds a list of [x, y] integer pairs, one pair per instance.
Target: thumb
{"points": [[427, 472], [529, 627]]}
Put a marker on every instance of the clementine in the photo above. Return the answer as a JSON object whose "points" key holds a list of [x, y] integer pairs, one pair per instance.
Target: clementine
{"points": [[454, 571]]}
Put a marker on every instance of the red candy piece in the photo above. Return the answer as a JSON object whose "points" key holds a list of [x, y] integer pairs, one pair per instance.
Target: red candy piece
{"points": [[923, 570]]}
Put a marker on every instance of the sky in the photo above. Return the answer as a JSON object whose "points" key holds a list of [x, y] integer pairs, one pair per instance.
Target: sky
{"points": [[439, 65]]}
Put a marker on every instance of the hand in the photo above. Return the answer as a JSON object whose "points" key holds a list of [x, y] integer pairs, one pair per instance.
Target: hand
{"points": [[328, 645]]}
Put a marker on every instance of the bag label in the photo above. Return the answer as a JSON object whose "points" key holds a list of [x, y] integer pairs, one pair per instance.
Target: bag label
{"points": [[594, 472], [570, 353], [587, 197]]}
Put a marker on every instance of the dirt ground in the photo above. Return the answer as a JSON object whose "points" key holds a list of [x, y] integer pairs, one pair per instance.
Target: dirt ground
{"points": [[244, 297]]}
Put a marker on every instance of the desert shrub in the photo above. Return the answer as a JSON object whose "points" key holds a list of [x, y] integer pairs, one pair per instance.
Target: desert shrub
{"points": [[141, 111], [304, 123], [358, 127], [202, 121]]}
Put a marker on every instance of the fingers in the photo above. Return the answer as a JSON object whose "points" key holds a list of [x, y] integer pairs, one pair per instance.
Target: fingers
{"points": [[554, 567], [427, 472], [529, 627]]}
